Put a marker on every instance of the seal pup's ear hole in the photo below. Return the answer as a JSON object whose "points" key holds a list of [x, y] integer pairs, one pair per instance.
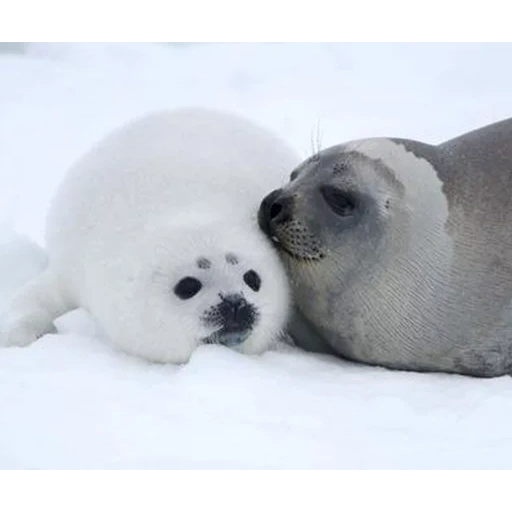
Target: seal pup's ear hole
{"points": [[187, 288], [252, 280], [341, 202]]}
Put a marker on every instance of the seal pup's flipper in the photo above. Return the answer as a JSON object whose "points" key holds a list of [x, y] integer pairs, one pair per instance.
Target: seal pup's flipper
{"points": [[32, 311]]}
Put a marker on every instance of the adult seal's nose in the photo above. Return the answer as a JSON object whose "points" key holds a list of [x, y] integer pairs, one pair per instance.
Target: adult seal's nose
{"points": [[275, 209], [264, 211]]}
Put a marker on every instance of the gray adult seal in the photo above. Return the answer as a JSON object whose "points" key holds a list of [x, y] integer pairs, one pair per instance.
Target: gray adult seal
{"points": [[399, 253]]}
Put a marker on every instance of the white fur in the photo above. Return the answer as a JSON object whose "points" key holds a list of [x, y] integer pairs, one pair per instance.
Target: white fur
{"points": [[133, 216]]}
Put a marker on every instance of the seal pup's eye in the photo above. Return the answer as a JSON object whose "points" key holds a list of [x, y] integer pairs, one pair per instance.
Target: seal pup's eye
{"points": [[252, 280], [187, 288], [342, 203], [294, 175]]}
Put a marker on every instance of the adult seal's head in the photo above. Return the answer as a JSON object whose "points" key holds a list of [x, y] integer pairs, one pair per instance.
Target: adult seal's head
{"points": [[399, 253]]}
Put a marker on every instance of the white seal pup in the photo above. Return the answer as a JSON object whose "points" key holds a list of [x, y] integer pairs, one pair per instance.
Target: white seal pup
{"points": [[400, 253], [155, 233]]}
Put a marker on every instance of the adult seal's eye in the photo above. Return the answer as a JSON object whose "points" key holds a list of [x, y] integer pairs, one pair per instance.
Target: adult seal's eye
{"points": [[342, 203], [187, 288], [252, 280]]}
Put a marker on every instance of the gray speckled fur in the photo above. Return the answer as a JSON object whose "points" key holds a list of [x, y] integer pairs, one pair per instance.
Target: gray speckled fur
{"points": [[427, 285]]}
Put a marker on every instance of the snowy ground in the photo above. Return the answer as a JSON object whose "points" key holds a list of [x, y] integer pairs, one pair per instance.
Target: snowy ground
{"points": [[69, 401]]}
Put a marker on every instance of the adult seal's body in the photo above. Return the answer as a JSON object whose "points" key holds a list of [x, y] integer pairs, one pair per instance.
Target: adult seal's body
{"points": [[154, 232], [400, 253]]}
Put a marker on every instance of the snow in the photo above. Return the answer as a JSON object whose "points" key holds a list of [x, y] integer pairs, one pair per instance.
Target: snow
{"points": [[71, 401]]}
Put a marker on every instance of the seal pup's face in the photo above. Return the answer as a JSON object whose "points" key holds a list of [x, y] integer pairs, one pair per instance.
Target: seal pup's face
{"points": [[201, 283], [221, 292]]}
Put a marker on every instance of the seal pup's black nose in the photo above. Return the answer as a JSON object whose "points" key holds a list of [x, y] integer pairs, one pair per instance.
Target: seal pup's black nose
{"points": [[236, 313]]}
